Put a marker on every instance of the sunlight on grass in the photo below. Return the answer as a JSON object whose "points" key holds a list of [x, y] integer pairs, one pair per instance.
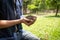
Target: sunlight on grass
{"points": [[46, 28]]}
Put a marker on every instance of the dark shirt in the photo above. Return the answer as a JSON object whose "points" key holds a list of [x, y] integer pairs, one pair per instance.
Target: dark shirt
{"points": [[7, 12]]}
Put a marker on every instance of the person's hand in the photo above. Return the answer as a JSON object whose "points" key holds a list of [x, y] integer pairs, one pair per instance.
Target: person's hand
{"points": [[27, 21], [30, 17]]}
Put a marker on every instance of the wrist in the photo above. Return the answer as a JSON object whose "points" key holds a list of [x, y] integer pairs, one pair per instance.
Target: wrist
{"points": [[21, 20]]}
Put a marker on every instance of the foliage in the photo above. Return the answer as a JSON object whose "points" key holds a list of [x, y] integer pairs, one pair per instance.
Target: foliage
{"points": [[52, 3], [40, 4], [31, 7], [43, 4]]}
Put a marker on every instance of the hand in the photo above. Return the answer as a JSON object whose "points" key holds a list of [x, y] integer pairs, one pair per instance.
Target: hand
{"points": [[27, 21], [30, 17]]}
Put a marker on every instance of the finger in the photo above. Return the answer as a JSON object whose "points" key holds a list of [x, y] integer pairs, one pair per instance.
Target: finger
{"points": [[26, 23], [28, 20], [30, 23]]}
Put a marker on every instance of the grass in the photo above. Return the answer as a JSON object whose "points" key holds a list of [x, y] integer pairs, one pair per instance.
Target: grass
{"points": [[45, 27]]}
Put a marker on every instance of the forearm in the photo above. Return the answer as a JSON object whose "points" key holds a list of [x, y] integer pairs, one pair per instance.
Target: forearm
{"points": [[9, 23]]}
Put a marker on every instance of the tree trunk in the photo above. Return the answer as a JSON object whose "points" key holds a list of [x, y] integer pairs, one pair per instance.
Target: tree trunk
{"points": [[24, 9], [57, 9]]}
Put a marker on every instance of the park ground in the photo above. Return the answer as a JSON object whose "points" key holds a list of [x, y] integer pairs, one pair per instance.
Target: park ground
{"points": [[46, 27]]}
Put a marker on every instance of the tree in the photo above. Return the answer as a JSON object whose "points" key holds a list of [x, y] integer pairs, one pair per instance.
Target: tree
{"points": [[25, 3], [34, 5], [53, 4], [38, 5]]}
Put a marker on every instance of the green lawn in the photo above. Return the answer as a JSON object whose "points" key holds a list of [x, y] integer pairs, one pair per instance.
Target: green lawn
{"points": [[45, 27]]}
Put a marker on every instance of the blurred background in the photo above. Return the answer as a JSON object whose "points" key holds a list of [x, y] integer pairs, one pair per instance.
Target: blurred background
{"points": [[47, 25]]}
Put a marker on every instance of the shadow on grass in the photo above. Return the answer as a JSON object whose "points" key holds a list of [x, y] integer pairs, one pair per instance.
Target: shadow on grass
{"points": [[58, 16]]}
